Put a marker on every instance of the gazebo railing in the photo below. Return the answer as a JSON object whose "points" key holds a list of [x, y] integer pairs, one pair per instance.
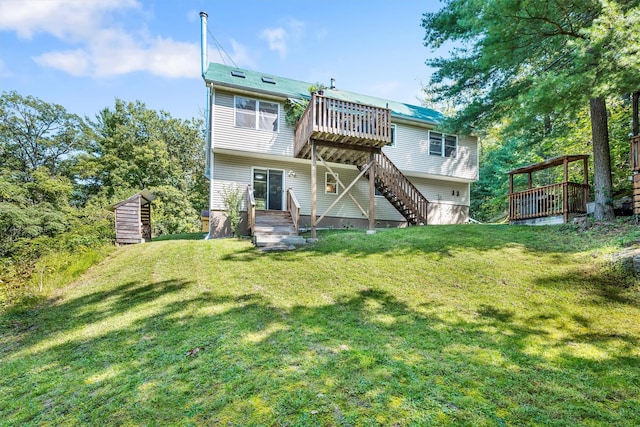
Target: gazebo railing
{"points": [[557, 199]]}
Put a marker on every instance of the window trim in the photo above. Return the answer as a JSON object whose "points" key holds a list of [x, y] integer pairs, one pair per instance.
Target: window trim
{"points": [[443, 138], [394, 136], [326, 182], [256, 112]]}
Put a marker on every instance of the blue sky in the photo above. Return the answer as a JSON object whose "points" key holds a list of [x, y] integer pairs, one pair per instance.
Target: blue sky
{"points": [[84, 54]]}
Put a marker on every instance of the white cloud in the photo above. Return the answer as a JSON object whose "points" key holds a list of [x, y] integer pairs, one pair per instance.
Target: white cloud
{"points": [[297, 28], [65, 19], [100, 48], [74, 62], [277, 40]]}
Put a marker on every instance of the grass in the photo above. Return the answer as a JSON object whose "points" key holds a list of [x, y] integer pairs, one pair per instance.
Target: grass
{"points": [[439, 325], [51, 272]]}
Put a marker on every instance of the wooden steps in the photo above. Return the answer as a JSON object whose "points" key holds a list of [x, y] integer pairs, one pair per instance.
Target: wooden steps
{"points": [[275, 230], [399, 191]]}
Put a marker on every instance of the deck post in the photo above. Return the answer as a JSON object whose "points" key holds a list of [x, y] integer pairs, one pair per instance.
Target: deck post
{"points": [[314, 185], [372, 195], [565, 191]]}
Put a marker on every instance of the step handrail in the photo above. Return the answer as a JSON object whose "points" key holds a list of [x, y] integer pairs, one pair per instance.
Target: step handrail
{"points": [[401, 187], [251, 211], [294, 208]]}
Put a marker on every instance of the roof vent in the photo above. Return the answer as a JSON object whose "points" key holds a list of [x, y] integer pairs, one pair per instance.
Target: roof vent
{"points": [[237, 73], [269, 80]]}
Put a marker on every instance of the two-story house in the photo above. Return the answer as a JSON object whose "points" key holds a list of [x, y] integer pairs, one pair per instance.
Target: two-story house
{"points": [[351, 160]]}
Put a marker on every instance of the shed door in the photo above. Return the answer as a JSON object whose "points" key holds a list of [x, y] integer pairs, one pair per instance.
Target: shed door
{"points": [[268, 188]]}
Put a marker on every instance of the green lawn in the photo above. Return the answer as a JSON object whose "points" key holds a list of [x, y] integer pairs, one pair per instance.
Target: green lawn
{"points": [[438, 325]]}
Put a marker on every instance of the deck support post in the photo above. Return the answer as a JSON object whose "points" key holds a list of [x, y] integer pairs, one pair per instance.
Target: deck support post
{"points": [[565, 191], [372, 194], [314, 188]]}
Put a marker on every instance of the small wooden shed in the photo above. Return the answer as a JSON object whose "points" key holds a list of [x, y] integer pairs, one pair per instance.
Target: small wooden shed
{"points": [[133, 218]]}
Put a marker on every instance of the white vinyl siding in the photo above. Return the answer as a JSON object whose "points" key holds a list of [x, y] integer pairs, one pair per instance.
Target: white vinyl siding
{"points": [[235, 171], [228, 136], [411, 155]]}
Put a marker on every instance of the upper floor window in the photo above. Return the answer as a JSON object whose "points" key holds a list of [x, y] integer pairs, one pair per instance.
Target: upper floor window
{"points": [[256, 114], [442, 145], [393, 137]]}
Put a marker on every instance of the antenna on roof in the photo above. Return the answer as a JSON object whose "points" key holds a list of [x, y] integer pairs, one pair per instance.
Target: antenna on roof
{"points": [[205, 30]]}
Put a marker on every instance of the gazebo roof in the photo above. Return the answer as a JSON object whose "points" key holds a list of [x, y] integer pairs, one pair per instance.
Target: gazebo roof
{"points": [[549, 163]]}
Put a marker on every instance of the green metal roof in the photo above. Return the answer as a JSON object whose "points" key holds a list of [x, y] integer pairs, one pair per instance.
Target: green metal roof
{"points": [[219, 74]]}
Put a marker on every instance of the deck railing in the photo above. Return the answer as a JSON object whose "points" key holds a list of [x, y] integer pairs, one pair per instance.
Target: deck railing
{"points": [[251, 210], [401, 187], [556, 199], [294, 208], [635, 153], [330, 116]]}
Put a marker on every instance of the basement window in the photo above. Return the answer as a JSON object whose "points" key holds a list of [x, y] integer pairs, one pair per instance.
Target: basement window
{"points": [[330, 183], [269, 80], [238, 73]]}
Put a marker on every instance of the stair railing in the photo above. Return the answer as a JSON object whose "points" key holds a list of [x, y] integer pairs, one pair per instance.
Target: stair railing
{"points": [[401, 187], [294, 208], [251, 211]]}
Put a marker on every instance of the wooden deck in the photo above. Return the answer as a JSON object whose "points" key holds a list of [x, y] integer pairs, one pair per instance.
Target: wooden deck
{"points": [[345, 132]]}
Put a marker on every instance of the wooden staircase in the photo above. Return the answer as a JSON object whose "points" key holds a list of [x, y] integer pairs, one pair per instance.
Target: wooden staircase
{"points": [[275, 230], [399, 191]]}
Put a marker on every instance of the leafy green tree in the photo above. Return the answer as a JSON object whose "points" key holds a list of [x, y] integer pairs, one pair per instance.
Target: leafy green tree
{"points": [[36, 134], [136, 148], [38, 142], [538, 62]]}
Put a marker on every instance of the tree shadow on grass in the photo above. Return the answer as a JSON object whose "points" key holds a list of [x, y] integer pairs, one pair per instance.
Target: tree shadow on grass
{"points": [[366, 358], [604, 284]]}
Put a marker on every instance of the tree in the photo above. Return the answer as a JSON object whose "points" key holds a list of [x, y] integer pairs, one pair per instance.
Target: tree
{"points": [[133, 148], [36, 134], [533, 61]]}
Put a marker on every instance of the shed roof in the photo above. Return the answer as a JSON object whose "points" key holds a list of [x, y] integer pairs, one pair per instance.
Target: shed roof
{"points": [[219, 74], [549, 163], [144, 197]]}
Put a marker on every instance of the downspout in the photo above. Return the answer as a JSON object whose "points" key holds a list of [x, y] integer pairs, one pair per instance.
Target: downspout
{"points": [[208, 114]]}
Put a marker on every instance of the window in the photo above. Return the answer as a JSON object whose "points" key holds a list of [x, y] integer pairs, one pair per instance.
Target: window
{"points": [[330, 183], [254, 114], [393, 137], [442, 145]]}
